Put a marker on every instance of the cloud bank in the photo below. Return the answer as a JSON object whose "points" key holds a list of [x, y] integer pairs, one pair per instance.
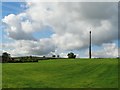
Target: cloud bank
{"points": [[70, 22]]}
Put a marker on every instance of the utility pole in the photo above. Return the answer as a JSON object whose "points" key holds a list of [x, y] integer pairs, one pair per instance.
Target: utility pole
{"points": [[90, 46]]}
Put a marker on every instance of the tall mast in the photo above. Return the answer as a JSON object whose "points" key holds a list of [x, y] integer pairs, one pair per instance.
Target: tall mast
{"points": [[90, 46]]}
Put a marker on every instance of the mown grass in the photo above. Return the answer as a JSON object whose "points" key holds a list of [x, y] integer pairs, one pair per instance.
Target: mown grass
{"points": [[0, 75], [64, 73]]}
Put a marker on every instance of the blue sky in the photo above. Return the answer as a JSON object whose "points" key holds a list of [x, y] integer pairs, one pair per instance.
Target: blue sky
{"points": [[11, 7], [48, 33]]}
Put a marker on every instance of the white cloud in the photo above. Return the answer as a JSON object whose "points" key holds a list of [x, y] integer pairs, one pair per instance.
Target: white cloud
{"points": [[67, 41], [109, 50], [71, 23], [23, 47], [14, 28]]}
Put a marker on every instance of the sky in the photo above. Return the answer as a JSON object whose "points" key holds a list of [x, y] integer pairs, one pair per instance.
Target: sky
{"points": [[47, 28]]}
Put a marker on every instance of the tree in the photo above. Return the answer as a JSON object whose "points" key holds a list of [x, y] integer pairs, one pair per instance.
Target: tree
{"points": [[71, 55], [43, 56], [54, 56], [5, 57], [58, 56]]}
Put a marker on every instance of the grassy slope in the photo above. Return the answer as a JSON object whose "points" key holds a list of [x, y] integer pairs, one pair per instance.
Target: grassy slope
{"points": [[79, 73], [0, 75]]}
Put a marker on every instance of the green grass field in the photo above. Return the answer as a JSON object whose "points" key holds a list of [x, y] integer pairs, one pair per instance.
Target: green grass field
{"points": [[68, 73], [0, 75]]}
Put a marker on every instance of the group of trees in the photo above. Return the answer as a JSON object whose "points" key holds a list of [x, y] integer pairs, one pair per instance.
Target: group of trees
{"points": [[28, 59], [71, 55], [56, 56], [6, 57]]}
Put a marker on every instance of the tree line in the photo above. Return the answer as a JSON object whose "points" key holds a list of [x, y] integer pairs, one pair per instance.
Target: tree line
{"points": [[6, 57]]}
